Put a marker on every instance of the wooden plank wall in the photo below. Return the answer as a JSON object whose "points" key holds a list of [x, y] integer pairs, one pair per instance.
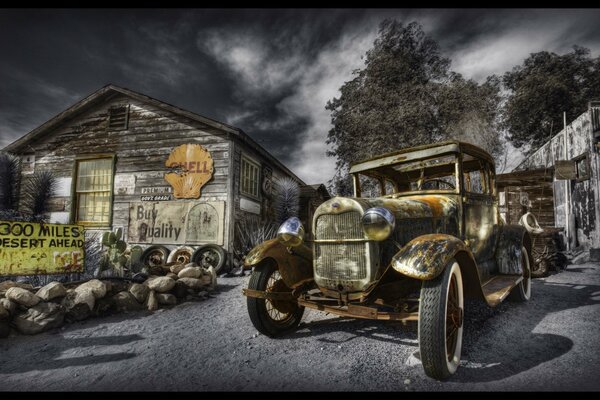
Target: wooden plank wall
{"points": [[141, 150], [537, 185]]}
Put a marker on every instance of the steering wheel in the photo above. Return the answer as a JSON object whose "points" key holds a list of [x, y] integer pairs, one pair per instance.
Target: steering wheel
{"points": [[437, 180]]}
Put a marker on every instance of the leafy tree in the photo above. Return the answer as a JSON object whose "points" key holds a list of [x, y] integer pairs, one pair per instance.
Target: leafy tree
{"points": [[407, 95], [545, 86]]}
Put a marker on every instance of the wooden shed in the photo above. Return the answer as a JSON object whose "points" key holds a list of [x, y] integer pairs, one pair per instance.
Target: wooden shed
{"points": [[167, 176], [574, 155], [520, 191]]}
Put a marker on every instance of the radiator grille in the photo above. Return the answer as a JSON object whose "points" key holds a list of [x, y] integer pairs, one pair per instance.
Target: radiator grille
{"points": [[339, 226], [341, 261]]}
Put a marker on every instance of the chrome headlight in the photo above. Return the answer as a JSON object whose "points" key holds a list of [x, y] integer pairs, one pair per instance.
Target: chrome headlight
{"points": [[378, 223], [291, 232]]}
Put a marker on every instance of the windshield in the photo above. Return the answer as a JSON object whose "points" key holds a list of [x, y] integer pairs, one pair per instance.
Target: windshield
{"points": [[433, 174]]}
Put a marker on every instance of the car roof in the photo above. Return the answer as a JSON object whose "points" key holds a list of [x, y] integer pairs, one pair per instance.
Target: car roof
{"points": [[420, 152]]}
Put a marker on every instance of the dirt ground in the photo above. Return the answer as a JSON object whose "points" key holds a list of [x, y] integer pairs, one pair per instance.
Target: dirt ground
{"points": [[551, 343]]}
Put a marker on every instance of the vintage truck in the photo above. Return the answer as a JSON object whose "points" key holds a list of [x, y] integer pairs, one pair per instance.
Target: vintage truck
{"points": [[421, 233]]}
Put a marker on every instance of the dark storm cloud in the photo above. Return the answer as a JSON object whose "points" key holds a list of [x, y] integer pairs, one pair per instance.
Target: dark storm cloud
{"points": [[269, 72]]}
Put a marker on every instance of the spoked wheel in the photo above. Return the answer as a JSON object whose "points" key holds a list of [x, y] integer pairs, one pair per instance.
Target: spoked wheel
{"points": [[522, 292], [181, 255], [272, 317], [210, 255], [155, 256], [441, 312]]}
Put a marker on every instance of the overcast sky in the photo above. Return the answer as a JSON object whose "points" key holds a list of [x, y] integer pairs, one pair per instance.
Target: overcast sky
{"points": [[268, 72]]}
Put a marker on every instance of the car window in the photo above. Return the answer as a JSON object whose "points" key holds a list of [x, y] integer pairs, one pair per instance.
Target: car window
{"points": [[369, 186], [475, 178], [432, 174]]}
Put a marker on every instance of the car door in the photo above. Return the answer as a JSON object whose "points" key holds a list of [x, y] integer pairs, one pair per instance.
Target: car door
{"points": [[480, 216]]}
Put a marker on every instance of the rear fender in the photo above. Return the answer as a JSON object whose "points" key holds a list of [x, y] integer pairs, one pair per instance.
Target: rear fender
{"points": [[509, 251], [294, 264]]}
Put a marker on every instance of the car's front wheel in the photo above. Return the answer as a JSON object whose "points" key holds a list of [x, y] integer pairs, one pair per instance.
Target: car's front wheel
{"points": [[272, 317], [441, 322]]}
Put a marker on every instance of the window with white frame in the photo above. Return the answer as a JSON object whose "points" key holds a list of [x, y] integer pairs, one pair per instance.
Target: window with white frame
{"points": [[249, 178], [93, 191]]}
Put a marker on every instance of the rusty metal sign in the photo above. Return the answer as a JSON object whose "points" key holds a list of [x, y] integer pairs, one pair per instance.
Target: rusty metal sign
{"points": [[565, 169], [28, 248], [189, 222], [192, 167]]}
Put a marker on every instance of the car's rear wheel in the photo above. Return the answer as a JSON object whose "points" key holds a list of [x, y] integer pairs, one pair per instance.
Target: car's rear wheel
{"points": [[272, 317], [522, 292], [441, 322]]}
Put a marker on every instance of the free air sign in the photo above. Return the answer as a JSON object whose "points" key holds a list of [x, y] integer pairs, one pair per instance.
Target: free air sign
{"points": [[28, 248]]}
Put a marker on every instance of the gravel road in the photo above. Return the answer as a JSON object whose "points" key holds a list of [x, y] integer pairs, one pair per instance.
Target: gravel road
{"points": [[551, 343]]}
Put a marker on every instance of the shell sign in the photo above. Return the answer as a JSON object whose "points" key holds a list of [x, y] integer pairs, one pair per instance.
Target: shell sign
{"points": [[192, 167]]}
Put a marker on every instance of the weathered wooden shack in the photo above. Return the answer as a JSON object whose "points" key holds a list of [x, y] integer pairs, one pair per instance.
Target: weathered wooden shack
{"points": [[167, 176], [573, 154]]}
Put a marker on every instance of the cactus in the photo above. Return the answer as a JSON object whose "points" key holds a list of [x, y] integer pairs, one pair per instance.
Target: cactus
{"points": [[115, 255], [135, 259]]}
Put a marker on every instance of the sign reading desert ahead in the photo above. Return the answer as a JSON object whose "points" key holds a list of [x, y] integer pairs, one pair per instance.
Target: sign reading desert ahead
{"points": [[28, 248], [193, 167]]}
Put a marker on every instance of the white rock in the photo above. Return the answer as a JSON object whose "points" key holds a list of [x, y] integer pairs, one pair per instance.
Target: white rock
{"points": [[140, 292], [40, 318], [166, 299], [22, 296], [51, 291], [97, 287], [172, 275], [161, 284], [152, 302], [192, 283], [176, 268], [85, 295], [8, 305], [190, 272], [77, 305], [210, 271], [124, 301], [4, 314]]}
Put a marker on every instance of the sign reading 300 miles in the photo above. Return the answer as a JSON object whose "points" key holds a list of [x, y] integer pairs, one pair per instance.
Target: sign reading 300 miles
{"points": [[28, 248]]}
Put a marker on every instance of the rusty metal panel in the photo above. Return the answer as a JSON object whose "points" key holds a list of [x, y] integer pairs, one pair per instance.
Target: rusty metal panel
{"points": [[295, 265], [192, 167], [426, 256], [565, 169], [28, 248]]}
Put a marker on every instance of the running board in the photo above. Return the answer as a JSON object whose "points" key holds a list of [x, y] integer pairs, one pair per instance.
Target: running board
{"points": [[496, 289]]}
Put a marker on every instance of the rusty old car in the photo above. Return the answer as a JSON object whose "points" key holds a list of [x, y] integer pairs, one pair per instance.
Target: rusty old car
{"points": [[421, 233]]}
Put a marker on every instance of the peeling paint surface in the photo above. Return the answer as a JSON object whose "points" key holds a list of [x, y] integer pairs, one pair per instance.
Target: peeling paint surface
{"points": [[425, 257]]}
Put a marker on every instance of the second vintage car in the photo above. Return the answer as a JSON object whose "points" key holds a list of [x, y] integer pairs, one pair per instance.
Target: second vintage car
{"points": [[421, 233]]}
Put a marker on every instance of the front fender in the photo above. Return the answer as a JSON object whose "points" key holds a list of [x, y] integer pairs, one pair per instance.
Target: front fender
{"points": [[295, 265], [508, 253], [425, 256]]}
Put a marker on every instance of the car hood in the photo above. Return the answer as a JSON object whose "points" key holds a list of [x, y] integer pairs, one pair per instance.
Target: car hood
{"points": [[416, 206]]}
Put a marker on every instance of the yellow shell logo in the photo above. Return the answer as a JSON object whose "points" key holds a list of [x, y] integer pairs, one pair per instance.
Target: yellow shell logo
{"points": [[193, 167]]}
